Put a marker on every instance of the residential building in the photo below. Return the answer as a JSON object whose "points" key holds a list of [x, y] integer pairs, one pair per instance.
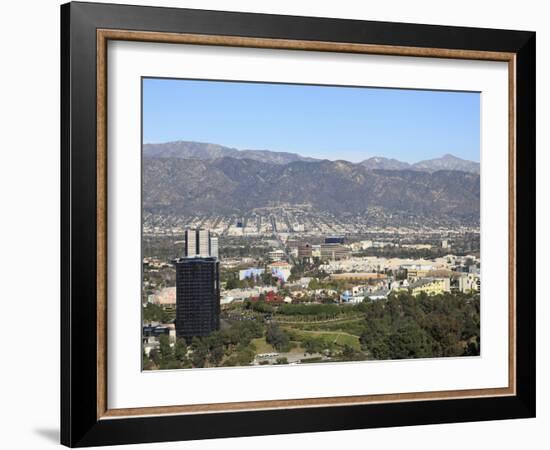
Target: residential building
{"points": [[430, 286]]}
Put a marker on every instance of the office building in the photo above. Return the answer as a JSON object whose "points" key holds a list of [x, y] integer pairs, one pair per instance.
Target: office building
{"points": [[199, 243], [304, 250], [214, 247], [197, 296], [335, 240], [334, 251], [190, 242]]}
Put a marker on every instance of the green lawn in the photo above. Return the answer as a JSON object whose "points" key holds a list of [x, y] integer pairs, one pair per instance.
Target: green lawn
{"points": [[262, 346], [338, 338]]}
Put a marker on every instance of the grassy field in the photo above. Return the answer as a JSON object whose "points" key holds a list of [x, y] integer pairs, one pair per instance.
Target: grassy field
{"points": [[352, 326], [338, 338], [262, 346]]}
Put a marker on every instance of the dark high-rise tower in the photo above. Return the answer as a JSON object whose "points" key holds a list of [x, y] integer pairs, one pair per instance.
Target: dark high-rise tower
{"points": [[197, 296]]}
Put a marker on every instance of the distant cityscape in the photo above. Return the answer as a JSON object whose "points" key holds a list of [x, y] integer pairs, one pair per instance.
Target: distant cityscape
{"points": [[287, 287]]}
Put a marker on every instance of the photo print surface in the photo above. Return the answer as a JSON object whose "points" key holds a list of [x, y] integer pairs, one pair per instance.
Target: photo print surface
{"points": [[287, 224]]}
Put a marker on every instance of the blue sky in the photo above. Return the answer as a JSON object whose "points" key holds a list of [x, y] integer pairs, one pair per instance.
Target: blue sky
{"points": [[318, 121]]}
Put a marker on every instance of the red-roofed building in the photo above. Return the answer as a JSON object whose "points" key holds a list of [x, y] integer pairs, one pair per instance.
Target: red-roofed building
{"points": [[270, 297]]}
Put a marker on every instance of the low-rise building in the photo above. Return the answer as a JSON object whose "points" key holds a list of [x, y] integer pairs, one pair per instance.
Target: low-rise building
{"points": [[166, 297], [334, 251], [276, 255], [237, 295], [251, 272], [348, 297], [280, 270], [430, 286], [470, 282], [382, 294], [316, 251], [305, 250], [416, 271], [365, 276]]}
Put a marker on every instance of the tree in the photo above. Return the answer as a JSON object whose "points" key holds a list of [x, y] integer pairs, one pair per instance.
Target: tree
{"points": [[374, 339], [146, 363], [277, 337], [350, 354], [166, 351], [262, 307], [215, 348], [232, 283], [216, 355], [154, 313], [244, 355], [473, 348], [200, 352], [409, 341], [180, 353], [313, 345], [314, 284], [268, 279], [154, 355]]}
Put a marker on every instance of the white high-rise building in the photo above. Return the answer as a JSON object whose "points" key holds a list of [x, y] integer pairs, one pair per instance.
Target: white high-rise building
{"points": [[190, 242], [200, 244], [203, 239], [214, 246]]}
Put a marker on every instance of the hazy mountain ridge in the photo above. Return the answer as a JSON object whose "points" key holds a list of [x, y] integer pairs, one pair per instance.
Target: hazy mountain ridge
{"points": [[379, 162], [230, 185], [207, 151], [448, 162]]}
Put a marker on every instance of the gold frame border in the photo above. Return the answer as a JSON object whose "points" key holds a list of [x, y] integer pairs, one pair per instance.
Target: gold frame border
{"points": [[103, 36]]}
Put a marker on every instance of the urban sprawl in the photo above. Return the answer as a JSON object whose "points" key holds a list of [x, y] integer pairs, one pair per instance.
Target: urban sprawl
{"points": [[285, 285]]}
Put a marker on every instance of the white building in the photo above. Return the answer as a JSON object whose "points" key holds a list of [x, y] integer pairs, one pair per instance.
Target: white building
{"points": [[214, 246], [280, 269], [276, 255], [197, 242], [470, 282]]}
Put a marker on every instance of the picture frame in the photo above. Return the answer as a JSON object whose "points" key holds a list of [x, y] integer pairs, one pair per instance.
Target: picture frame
{"points": [[86, 418]]}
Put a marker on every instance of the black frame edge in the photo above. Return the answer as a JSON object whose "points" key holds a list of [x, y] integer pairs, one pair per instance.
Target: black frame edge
{"points": [[65, 369], [526, 223], [79, 425]]}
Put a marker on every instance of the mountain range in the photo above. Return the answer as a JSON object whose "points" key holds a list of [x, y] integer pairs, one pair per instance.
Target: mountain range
{"points": [[206, 151], [178, 182]]}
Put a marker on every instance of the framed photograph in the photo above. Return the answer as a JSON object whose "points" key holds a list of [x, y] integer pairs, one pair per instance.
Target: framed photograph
{"points": [[277, 224]]}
